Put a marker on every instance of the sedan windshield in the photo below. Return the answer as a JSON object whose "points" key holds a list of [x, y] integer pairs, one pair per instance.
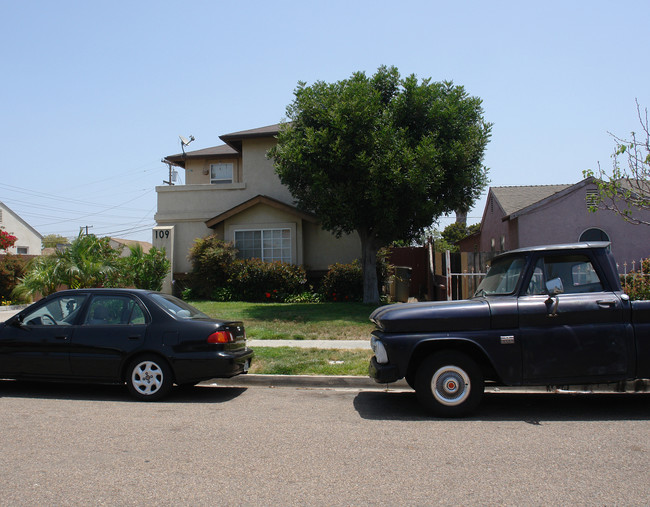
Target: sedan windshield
{"points": [[502, 277], [177, 308]]}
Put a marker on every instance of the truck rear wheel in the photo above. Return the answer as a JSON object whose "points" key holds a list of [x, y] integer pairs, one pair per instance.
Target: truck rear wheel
{"points": [[449, 384]]}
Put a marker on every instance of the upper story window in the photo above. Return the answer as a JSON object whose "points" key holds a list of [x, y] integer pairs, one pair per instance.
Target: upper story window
{"points": [[221, 173], [22, 250]]}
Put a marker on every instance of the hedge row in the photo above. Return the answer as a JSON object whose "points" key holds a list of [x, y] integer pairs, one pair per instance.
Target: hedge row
{"points": [[218, 275]]}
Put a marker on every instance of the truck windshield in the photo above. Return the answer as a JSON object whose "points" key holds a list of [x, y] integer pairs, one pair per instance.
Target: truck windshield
{"points": [[502, 277]]}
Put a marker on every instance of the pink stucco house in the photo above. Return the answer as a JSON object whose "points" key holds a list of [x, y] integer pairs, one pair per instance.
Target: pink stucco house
{"points": [[521, 216]]}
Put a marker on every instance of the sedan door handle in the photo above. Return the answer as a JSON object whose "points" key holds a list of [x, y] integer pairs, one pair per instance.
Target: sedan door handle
{"points": [[135, 337], [606, 304], [61, 338]]}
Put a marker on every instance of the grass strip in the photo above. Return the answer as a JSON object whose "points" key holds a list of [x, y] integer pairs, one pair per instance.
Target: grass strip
{"points": [[295, 321], [311, 361]]}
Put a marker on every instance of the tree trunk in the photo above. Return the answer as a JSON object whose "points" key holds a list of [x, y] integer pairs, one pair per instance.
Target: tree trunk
{"points": [[369, 267]]}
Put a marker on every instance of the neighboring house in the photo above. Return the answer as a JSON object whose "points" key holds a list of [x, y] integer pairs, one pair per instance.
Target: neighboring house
{"points": [[521, 216], [232, 191], [29, 240], [123, 245]]}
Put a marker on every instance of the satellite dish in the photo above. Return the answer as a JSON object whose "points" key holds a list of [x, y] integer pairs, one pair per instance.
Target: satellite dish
{"points": [[185, 141]]}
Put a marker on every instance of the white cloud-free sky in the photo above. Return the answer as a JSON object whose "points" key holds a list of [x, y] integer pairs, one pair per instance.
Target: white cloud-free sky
{"points": [[94, 94]]}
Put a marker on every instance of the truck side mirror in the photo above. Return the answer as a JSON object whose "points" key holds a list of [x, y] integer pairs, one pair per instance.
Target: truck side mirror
{"points": [[554, 287]]}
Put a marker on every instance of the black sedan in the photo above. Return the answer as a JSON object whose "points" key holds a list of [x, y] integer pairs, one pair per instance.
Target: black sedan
{"points": [[145, 339]]}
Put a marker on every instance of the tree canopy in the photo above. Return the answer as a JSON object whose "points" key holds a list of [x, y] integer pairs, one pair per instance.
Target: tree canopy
{"points": [[626, 190], [383, 156]]}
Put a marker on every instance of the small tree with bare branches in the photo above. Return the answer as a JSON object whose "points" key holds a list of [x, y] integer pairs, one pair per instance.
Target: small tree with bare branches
{"points": [[626, 191]]}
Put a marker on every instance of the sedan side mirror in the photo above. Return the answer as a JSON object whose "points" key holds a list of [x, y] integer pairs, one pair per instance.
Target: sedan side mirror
{"points": [[554, 287]]}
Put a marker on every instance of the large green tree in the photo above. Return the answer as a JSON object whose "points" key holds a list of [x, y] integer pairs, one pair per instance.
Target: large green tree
{"points": [[382, 156]]}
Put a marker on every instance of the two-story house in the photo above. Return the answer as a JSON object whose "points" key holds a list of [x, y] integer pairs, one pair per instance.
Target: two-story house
{"points": [[232, 190], [521, 216], [29, 241]]}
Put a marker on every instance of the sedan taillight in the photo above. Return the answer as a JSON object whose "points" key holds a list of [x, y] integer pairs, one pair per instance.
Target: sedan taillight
{"points": [[221, 337]]}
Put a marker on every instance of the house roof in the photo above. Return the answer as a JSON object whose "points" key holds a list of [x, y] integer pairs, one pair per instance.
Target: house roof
{"points": [[235, 139], [231, 148], [259, 199], [146, 246], [516, 198], [223, 150], [17, 217], [518, 201]]}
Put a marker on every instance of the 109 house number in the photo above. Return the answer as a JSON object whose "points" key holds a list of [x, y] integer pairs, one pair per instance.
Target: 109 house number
{"points": [[161, 234]]}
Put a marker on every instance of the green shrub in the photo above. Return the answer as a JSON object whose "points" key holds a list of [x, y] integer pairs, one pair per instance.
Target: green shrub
{"points": [[343, 282], [256, 280], [211, 260], [636, 284]]}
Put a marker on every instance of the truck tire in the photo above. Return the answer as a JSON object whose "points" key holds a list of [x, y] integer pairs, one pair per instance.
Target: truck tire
{"points": [[449, 384]]}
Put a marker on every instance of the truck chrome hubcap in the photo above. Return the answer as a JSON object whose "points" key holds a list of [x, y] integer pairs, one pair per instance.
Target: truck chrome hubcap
{"points": [[450, 385]]}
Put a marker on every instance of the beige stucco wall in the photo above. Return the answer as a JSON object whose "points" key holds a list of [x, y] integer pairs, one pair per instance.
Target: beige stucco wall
{"points": [[189, 206], [27, 238], [197, 172], [322, 248]]}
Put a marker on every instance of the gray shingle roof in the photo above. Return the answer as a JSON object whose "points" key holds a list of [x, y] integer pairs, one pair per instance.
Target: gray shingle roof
{"points": [[513, 199]]}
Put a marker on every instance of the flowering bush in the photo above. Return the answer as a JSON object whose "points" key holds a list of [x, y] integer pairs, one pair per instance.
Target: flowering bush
{"points": [[7, 240]]}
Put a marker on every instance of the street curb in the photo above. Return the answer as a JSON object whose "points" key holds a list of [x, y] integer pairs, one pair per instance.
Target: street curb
{"points": [[306, 381], [366, 383]]}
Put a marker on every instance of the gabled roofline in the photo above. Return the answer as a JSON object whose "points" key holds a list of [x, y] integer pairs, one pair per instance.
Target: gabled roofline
{"points": [[15, 215], [221, 151], [259, 199], [550, 198], [235, 139]]}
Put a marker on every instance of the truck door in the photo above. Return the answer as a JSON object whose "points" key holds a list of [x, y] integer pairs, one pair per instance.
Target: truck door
{"points": [[578, 335]]}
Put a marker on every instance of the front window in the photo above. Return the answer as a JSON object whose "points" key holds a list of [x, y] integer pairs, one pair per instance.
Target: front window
{"points": [[221, 173], [267, 244], [60, 311], [502, 277]]}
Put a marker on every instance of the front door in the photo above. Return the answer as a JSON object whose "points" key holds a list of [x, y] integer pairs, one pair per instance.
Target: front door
{"points": [[38, 344]]}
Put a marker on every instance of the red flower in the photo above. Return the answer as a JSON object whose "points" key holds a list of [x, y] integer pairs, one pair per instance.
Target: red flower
{"points": [[268, 294]]}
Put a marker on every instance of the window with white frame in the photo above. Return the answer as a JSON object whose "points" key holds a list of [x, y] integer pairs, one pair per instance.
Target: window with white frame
{"points": [[267, 244], [221, 173]]}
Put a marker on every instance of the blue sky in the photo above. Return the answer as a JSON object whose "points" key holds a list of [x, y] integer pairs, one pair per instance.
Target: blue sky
{"points": [[94, 94]]}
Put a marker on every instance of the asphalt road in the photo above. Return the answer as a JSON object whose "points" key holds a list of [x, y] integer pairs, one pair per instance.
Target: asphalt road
{"points": [[74, 445]]}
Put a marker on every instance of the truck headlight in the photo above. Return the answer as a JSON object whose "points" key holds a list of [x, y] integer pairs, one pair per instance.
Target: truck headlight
{"points": [[380, 351]]}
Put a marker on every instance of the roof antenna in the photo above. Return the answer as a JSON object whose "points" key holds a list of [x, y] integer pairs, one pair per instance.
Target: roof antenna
{"points": [[185, 142]]}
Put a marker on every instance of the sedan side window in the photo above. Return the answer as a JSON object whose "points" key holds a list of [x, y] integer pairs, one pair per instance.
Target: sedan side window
{"points": [[114, 310], [60, 311]]}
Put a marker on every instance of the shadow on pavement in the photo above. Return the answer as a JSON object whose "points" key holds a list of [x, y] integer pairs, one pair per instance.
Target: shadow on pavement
{"points": [[99, 392], [532, 408]]}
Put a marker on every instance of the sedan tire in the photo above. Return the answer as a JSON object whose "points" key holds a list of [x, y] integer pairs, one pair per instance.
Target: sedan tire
{"points": [[149, 378], [449, 384]]}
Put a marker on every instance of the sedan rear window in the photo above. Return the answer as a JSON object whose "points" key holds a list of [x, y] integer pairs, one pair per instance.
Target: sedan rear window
{"points": [[177, 308]]}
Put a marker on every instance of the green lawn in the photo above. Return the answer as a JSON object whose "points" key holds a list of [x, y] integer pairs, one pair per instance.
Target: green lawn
{"points": [[299, 321]]}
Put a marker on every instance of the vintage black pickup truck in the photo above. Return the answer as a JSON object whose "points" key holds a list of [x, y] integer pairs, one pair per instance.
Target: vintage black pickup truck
{"points": [[548, 315]]}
